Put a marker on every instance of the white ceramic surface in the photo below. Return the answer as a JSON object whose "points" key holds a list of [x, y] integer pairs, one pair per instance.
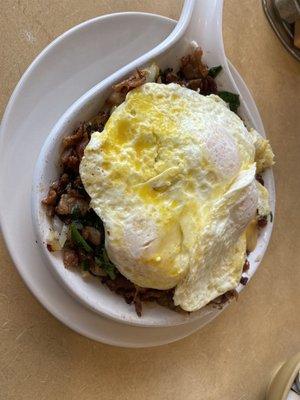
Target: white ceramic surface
{"points": [[23, 128], [205, 23]]}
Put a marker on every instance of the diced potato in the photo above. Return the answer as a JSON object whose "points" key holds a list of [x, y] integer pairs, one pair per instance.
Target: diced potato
{"points": [[264, 156]]}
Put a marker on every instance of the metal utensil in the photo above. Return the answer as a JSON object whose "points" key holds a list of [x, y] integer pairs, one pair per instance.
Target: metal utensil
{"points": [[281, 27]]}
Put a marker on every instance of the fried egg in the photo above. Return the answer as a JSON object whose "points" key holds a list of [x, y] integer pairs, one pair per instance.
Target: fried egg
{"points": [[172, 176]]}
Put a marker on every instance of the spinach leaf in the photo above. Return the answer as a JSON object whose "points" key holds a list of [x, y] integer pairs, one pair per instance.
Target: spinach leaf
{"points": [[214, 71], [231, 98]]}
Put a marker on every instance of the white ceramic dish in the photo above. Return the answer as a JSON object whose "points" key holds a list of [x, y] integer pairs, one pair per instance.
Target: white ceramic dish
{"points": [[93, 295], [33, 99]]}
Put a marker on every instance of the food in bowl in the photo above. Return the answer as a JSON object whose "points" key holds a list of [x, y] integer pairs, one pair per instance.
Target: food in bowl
{"points": [[161, 194]]}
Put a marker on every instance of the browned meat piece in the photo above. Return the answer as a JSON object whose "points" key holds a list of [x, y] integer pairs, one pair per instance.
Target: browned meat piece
{"points": [[135, 80], [162, 297], [137, 301], [67, 203], [49, 247], [92, 235], [208, 86], [166, 300], [244, 280], [74, 146], [170, 77], [70, 160], [224, 298], [73, 192], [246, 266], [81, 146], [71, 157], [231, 294], [70, 258], [75, 138], [120, 284], [77, 181], [194, 84], [150, 294], [51, 198], [192, 66], [262, 221], [122, 287], [79, 188], [61, 184], [97, 123], [55, 190], [102, 118]]}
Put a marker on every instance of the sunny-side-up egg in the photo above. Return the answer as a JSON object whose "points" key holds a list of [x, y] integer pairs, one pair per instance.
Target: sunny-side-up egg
{"points": [[172, 176]]}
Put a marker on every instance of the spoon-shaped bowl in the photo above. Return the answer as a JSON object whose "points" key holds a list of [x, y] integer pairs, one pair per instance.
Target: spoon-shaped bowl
{"points": [[203, 25]]}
